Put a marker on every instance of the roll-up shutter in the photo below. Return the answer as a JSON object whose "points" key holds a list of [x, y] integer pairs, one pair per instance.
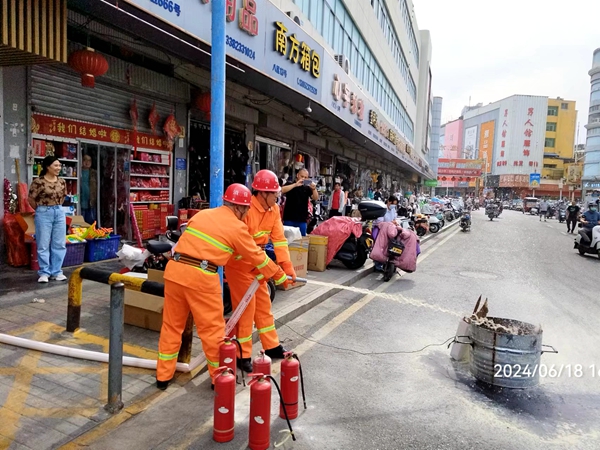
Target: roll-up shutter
{"points": [[57, 90]]}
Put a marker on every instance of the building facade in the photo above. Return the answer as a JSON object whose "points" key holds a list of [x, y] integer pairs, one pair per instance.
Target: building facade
{"points": [[559, 145], [521, 135], [436, 121], [591, 168], [334, 86]]}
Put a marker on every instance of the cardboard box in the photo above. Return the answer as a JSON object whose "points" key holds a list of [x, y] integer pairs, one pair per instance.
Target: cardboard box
{"points": [[28, 224], [299, 257], [317, 253], [143, 310], [156, 275]]}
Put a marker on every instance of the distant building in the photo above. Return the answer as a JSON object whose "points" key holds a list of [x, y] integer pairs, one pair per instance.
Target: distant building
{"points": [[591, 168], [436, 120], [520, 135]]}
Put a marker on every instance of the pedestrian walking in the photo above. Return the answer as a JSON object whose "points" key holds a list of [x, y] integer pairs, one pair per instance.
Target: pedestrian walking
{"points": [[212, 238], [543, 210], [46, 196], [573, 211]]}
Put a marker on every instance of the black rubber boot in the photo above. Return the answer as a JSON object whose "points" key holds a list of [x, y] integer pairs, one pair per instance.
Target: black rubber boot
{"points": [[276, 352], [162, 385], [245, 364]]}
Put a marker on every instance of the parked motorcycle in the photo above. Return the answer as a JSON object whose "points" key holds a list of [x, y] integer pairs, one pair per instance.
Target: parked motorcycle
{"points": [[421, 225], [465, 221], [434, 223], [586, 244], [354, 252], [394, 250]]}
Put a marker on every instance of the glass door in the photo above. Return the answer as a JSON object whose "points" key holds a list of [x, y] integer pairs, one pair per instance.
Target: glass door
{"points": [[88, 187]]}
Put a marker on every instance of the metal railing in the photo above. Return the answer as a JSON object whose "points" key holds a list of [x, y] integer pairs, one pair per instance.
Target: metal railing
{"points": [[133, 283]]}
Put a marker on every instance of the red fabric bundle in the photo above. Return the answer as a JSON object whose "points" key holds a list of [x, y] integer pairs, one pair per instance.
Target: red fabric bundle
{"points": [[15, 242]]}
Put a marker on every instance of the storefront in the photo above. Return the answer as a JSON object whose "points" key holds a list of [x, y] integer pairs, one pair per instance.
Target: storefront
{"points": [[110, 139]]}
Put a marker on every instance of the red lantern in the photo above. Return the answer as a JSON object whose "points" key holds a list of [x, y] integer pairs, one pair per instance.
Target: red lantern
{"points": [[203, 103], [443, 178], [90, 64]]}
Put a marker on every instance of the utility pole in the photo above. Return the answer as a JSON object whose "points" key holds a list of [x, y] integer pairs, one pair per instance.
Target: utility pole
{"points": [[217, 104]]}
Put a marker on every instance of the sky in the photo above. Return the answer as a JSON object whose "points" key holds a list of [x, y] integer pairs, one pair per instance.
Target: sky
{"points": [[488, 50]]}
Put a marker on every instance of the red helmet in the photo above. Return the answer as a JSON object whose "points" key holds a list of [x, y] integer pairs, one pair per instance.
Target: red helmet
{"points": [[266, 181], [238, 194]]}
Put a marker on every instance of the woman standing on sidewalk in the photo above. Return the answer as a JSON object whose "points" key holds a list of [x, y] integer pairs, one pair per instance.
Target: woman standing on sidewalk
{"points": [[46, 196]]}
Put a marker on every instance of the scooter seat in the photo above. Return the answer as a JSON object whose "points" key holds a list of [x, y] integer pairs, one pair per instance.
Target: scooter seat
{"points": [[157, 247]]}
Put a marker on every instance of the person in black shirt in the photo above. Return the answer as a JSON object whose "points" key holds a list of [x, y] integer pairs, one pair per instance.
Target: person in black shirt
{"points": [[377, 195], [297, 195], [572, 216]]}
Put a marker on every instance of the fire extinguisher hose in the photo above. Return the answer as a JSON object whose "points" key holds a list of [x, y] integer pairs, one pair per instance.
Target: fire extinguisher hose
{"points": [[241, 370], [283, 406], [301, 379]]}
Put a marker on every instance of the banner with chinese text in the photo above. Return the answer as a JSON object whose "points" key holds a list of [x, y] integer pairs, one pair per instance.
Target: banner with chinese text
{"points": [[74, 129]]}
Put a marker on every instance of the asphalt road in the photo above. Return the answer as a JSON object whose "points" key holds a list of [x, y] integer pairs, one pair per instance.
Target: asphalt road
{"points": [[375, 381]]}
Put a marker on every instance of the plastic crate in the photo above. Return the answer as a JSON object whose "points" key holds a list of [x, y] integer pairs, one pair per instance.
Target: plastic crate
{"points": [[100, 249], [75, 254]]}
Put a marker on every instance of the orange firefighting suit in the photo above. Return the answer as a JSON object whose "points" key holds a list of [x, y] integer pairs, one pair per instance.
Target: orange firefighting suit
{"points": [[262, 225], [215, 235]]}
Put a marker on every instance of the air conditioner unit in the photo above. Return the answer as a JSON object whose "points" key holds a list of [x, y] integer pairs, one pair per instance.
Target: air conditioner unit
{"points": [[292, 15], [343, 62]]}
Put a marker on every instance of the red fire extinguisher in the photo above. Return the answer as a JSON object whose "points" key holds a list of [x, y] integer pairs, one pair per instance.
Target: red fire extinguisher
{"points": [[291, 372], [224, 406], [259, 437], [228, 356], [262, 364]]}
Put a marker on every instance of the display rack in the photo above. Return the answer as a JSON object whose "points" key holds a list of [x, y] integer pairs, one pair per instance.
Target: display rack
{"points": [[150, 177]]}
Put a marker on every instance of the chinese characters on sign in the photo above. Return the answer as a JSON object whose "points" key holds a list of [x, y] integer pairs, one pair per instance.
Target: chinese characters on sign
{"points": [[57, 126], [341, 91], [504, 139], [527, 142], [247, 20], [296, 51]]}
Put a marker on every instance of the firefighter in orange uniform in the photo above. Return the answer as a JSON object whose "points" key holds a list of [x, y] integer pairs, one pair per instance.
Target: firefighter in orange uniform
{"points": [[211, 239], [264, 223]]}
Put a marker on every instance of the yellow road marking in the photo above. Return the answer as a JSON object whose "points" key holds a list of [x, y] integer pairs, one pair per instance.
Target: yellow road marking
{"points": [[14, 408]]}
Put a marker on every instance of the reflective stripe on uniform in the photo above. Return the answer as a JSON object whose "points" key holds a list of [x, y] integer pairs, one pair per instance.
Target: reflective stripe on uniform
{"points": [[266, 329], [212, 363], [280, 244], [165, 357], [246, 339], [261, 233], [238, 257], [281, 280], [206, 272], [206, 238], [260, 276], [263, 264]]}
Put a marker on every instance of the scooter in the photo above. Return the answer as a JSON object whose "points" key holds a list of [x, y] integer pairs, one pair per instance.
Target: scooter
{"points": [[421, 225], [354, 252], [492, 211], [584, 244], [434, 223], [562, 215], [465, 221], [394, 250]]}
